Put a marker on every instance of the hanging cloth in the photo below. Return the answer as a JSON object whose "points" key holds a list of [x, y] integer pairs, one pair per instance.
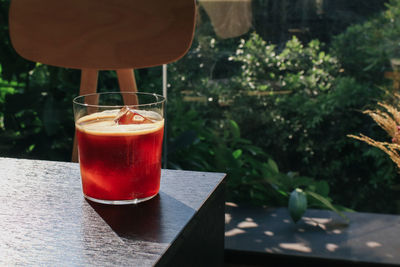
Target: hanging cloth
{"points": [[230, 18]]}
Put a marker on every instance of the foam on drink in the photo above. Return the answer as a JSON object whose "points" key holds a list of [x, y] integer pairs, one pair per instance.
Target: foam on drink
{"points": [[104, 122]]}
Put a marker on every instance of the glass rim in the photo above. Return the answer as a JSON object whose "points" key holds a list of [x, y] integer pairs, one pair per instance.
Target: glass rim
{"points": [[161, 101]]}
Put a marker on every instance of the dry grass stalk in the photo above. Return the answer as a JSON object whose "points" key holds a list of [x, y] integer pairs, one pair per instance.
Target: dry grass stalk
{"points": [[388, 118], [392, 149]]}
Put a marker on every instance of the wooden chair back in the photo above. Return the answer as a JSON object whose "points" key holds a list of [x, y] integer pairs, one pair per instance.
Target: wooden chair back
{"points": [[94, 35]]}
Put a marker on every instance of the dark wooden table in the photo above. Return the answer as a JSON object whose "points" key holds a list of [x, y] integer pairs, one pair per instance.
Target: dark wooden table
{"points": [[45, 220]]}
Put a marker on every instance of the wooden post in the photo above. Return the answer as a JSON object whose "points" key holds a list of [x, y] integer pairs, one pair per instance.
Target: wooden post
{"points": [[88, 85], [127, 83]]}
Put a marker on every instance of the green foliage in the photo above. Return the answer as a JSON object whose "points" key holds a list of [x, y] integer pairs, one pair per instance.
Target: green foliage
{"points": [[366, 50], [37, 115], [304, 120], [296, 68], [296, 105], [252, 175]]}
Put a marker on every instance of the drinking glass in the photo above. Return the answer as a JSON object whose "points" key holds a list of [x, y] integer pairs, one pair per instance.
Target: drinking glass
{"points": [[120, 138]]}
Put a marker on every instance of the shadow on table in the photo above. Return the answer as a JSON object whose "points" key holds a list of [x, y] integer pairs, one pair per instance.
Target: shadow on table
{"points": [[157, 219]]}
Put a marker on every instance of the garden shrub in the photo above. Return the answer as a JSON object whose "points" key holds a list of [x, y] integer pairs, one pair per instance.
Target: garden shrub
{"points": [[305, 128], [252, 175], [304, 109], [365, 50]]}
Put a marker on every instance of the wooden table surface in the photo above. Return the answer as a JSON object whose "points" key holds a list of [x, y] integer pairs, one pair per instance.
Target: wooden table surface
{"points": [[45, 220]]}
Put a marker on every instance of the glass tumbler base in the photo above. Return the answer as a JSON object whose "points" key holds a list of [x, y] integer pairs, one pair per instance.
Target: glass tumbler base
{"points": [[119, 202]]}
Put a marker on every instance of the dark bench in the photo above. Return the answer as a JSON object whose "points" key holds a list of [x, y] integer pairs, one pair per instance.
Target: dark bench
{"points": [[263, 236]]}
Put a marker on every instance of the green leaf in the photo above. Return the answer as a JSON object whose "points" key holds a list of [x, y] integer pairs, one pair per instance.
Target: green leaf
{"points": [[326, 203], [283, 193], [297, 204], [234, 127], [301, 181], [272, 164], [254, 150], [237, 153], [322, 188]]}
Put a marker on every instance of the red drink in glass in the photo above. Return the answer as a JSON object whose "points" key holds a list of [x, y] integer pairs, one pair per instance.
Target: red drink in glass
{"points": [[119, 162]]}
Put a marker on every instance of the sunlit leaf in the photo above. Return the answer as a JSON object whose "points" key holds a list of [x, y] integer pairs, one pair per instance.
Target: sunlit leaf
{"points": [[237, 153]]}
